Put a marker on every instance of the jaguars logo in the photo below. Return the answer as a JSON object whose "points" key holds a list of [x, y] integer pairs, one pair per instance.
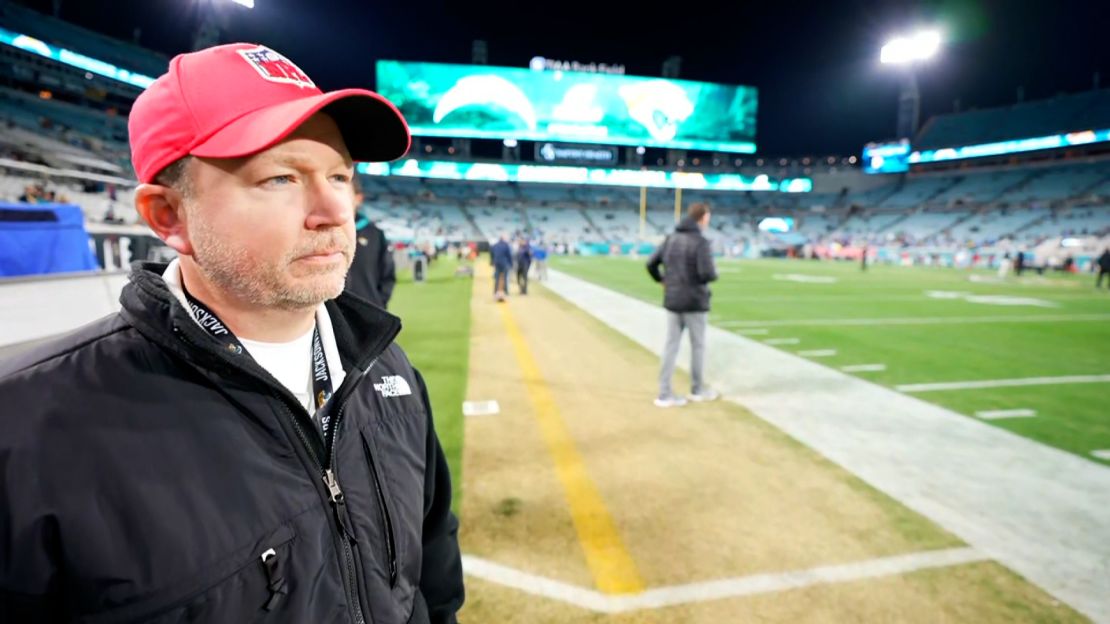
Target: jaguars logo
{"points": [[659, 106]]}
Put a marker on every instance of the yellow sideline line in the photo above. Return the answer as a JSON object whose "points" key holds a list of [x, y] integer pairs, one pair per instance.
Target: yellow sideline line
{"points": [[609, 561]]}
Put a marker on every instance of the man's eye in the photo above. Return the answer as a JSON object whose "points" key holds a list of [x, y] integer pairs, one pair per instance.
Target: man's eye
{"points": [[280, 180], [341, 178]]}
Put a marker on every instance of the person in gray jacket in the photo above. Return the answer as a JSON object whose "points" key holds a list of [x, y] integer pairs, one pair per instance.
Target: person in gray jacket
{"points": [[687, 271]]}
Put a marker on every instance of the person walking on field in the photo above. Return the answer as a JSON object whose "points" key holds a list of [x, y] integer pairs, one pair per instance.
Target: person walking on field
{"points": [[687, 264], [1103, 268], [523, 264], [501, 257], [539, 254]]}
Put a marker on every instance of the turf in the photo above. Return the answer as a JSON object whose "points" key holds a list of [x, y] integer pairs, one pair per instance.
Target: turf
{"points": [[764, 294], [435, 316]]}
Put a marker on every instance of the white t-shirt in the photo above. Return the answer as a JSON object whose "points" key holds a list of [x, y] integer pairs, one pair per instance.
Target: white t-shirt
{"points": [[288, 362]]}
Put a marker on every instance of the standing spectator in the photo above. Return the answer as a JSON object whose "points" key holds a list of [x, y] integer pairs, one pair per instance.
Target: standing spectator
{"points": [[30, 195], [523, 264], [1103, 268], [687, 271], [373, 273], [539, 254], [1004, 266], [501, 257]]}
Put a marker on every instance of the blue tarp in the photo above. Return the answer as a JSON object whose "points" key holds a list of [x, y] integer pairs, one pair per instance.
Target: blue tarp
{"points": [[43, 238]]}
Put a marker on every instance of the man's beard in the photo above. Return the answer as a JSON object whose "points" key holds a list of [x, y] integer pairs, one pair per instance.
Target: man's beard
{"points": [[280, 284]]}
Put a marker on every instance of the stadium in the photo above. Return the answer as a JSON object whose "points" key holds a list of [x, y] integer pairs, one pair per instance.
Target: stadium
{"points": [[908, 329]]}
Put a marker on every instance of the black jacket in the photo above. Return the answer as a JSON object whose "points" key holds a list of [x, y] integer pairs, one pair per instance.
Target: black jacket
{"points": [[687, 268], [1104, 261], [146, 470], [373, 273]]}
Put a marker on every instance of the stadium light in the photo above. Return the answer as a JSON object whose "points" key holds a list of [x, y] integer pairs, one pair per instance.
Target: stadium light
{"points": [[919, 47], [246, 3]]}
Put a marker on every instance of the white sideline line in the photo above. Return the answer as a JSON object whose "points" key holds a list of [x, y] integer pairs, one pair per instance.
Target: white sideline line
{"points": [[1002, 383], [818, 353], [863, 368], [536, 585], [1006, 413], [782, 341], [719, 589], [918, 320], [1103, 454]]}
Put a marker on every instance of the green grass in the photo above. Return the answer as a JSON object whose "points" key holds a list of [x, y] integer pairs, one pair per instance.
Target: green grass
{"points": [[436, 336], [1073, 417]]}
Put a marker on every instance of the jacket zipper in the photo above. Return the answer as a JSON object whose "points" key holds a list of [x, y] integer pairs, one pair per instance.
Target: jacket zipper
{"points": [[341, 532], [335, 494], [387, 520], [333, 486]]}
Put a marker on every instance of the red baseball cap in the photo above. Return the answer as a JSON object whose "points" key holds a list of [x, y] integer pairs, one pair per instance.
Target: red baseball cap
{"points": [[239, 99]]}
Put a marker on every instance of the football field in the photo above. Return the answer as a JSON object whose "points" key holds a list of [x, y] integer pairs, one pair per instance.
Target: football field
{"points": [[579, 501], [1028, 354]]}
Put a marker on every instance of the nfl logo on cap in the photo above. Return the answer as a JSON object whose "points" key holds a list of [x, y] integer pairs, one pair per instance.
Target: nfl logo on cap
{"points": [[275, 67]]}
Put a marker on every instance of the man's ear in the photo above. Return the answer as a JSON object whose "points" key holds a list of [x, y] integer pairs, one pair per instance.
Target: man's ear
{"points": [[163, 209]]}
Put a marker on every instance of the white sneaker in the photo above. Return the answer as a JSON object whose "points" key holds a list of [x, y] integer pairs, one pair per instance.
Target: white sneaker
{"points": [[670, 402], [708, 394]]}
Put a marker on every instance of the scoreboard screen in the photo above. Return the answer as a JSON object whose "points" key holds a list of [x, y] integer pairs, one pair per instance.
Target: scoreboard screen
{"points": [[486, 102]]}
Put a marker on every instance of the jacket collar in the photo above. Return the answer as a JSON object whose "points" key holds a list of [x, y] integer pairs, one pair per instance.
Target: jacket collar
{"points": [[687, 224], [362, 331]]}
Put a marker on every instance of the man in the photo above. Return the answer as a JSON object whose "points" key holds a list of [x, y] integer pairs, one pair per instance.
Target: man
{"points": [[539, 254], [373, 272], [501, 257], [523, 264], [687, 271], [241, 442], [1004, 266], [1103, 268]]}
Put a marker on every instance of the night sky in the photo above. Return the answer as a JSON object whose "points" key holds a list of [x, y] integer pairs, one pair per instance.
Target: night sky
{"points": [[821, 88]]}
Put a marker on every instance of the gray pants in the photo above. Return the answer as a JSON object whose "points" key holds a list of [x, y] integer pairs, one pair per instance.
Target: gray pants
{"points": [[676, 322]]}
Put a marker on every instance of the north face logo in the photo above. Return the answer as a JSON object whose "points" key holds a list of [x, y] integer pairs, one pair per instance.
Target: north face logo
{"points": [[393, 386], [275, 67]]}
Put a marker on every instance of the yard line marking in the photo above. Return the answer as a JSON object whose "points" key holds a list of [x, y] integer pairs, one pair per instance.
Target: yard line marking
{"points": [[607, 557], [863, 368], [1103, 454], [1006, 413], [923, 320], [781, 341], [753, 332], [821, 575], [535, 585], [481, 408], [804, 279], [989, 299], [706, 591], [818, 353], [1002, 383]]}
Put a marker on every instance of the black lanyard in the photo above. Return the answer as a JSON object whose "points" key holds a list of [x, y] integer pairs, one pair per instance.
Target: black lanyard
{"points": [[321, 375]]}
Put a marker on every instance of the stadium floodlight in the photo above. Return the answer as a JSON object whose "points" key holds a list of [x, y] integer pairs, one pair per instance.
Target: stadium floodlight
{"points": [[918, 47], [247, 3]]}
